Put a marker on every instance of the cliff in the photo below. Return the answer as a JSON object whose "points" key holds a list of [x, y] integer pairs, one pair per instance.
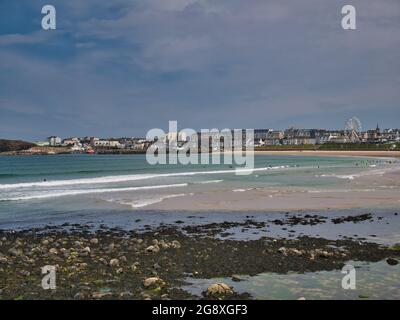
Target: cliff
{"points": [[14, 145]]}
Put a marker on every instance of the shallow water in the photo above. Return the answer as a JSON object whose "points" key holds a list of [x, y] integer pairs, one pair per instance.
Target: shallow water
{"points": [[373, 281], [73, 184]]}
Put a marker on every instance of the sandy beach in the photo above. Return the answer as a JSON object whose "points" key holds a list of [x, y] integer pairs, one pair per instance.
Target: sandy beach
{"points": [[376, 189]]}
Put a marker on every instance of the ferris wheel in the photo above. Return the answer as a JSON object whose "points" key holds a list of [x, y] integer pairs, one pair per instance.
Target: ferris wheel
{"points": [[353, 129]]}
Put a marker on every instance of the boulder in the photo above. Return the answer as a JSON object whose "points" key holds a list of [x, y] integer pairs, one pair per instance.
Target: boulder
{"points": [[218, 290], [392, 262], [153, 282], [153, 249]]}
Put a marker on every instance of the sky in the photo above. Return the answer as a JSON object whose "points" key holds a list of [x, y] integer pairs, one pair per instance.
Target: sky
{"points": [[120, 68]]}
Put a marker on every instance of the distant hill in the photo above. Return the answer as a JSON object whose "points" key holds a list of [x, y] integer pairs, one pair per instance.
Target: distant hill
{"points": [[14, 145]]}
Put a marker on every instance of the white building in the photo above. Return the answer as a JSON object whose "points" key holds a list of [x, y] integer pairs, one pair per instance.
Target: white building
{"points": [[54, 141], [107, 144]]}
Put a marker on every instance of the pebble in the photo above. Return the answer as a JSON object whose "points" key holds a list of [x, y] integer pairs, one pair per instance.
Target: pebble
{"points": [[153, 281], [153, 249], [86, 249], [392, 262], [114, 262], [175, 244], [99, 295], [94, 241], [236, 278]]}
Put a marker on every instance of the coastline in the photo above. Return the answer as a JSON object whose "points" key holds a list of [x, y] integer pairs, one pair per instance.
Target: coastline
{"points": [[305, 152]]}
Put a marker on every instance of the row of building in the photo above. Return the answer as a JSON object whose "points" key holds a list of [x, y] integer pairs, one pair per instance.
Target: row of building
{"points": [[92, 143], [293, 136], [262, 137]]}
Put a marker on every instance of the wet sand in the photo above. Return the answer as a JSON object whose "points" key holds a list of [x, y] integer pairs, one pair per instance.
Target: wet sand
{"points": [[376, 190]]}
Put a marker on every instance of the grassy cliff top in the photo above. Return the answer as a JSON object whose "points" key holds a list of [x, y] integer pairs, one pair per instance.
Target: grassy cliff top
{"points": [[14, 145]]}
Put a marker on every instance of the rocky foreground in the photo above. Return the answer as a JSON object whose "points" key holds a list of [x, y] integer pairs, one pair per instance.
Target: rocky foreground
{"points": [[117, 264]]}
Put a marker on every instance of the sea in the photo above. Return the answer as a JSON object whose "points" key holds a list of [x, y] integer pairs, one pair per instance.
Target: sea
{"points": [[36, 189], [116, 190]]}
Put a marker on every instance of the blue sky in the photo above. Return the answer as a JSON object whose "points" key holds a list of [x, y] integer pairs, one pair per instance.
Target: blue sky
{"points": [[122, 67]]}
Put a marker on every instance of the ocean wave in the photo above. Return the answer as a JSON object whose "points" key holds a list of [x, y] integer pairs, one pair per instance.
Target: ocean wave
{"points": [[127, 178], [357, 175], [87, 191], [210, 181], [147, 202]]}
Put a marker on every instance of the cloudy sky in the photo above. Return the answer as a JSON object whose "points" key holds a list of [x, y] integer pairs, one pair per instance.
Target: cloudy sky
{"points": [[122, 67]]}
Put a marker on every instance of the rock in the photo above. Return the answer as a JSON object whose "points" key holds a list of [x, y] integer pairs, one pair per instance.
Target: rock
{"points": [[15, 252], [120, 270], [153, 281], [53, 251], [45, 242], [175, 244], [236, 278], [156, 266], [3, 259], [283, 250], [94, 241], [24, 273], [126, 294], [218, 290], [153, 249], [323, 254], [301, 298], [297, 252], [135, 266], [79, 295], [114, 262], [392, 262], [111, 247], [86, 249], [99, 295]]}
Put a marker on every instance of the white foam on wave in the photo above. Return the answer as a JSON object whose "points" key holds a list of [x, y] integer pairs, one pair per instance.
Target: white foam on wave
{"points": [[356, 175], [127, 178], [88, 191], [147, 202], [241, 190], [210, 181]]}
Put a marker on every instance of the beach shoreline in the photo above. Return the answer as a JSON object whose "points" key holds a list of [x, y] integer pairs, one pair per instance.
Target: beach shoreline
{"points": [[374, 189]]}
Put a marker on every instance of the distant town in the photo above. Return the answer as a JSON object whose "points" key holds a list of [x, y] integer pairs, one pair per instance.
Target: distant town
{"points": [[389, 139]]}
